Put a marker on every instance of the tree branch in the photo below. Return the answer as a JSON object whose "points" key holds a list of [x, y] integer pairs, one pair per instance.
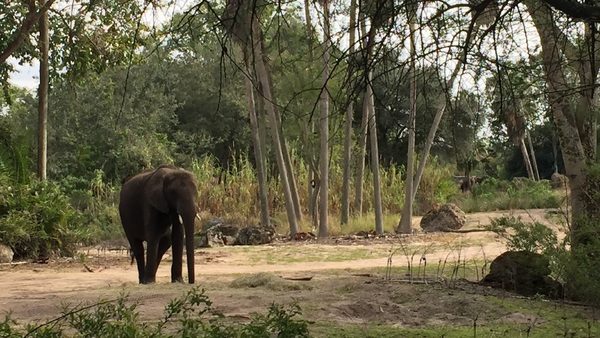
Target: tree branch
{"points": [[576, 10], [26, 27]]}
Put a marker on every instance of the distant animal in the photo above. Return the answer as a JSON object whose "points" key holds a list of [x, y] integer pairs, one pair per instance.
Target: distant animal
{"points": [[159, 207]]}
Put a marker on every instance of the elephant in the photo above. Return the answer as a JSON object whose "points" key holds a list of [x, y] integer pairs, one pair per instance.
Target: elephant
{"points": [[153, 205]]}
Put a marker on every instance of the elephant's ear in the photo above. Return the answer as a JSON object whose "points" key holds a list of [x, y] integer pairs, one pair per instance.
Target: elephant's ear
{"points": [[155, 191]]}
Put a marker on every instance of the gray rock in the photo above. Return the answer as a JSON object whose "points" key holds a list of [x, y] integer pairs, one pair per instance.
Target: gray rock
{"points": [[208, 239], [6, 254], [254, 235]]}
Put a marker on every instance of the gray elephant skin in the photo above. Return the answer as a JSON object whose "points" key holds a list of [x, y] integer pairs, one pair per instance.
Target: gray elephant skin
{"points": [[152, 206]]}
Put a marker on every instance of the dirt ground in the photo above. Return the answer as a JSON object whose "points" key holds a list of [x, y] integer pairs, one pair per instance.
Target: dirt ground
{"points": [[346, 285]]}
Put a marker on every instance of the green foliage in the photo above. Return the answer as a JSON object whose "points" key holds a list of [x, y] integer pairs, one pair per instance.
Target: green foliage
{"points": [[97, 202], [191, 315], [534, 237], [521, 236], [38, 219], [494, 194]]}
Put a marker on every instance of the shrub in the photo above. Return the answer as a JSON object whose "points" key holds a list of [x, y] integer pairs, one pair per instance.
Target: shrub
{"points": [[493, 194], [533, 237], [37, 218], [191, 315]]}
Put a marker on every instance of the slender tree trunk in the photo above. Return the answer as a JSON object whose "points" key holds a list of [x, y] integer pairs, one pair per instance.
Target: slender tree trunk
{"points": [[362, 137], [324, 129], [347, 152], [526, 160], [429, 142], [309, 131], [43, 98], [536, 172], [261, 70], [286, 154], [405, 225], [258, 154], [374, 157]]}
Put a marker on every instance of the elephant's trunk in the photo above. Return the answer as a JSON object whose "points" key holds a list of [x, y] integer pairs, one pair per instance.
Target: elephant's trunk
{"points": [[189, 248]]}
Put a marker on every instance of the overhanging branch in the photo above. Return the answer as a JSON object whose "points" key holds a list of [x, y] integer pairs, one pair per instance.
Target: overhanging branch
{"points": [[576, 10]]}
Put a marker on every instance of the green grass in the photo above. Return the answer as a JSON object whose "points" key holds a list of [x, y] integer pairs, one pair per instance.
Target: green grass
{"points": [[574, 328]]}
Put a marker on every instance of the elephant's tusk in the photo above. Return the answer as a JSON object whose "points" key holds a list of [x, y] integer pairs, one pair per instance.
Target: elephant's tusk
{"points": [[180, 219], [198, 217]]}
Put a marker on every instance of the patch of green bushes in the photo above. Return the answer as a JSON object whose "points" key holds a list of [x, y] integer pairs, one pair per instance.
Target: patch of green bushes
{"points": [[37, 218], [494, 194], [191, 315]]}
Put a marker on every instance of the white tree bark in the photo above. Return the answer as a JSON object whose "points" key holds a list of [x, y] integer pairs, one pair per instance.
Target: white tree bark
{"points": [[42, 156], [324, 129], [347, 152], [258, 153], [405, 225]]}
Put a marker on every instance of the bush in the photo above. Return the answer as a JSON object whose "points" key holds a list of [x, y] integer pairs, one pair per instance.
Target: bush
{"points": [[534, 237], [493, 194], [192, 315], [97, 202], [37, 218]]}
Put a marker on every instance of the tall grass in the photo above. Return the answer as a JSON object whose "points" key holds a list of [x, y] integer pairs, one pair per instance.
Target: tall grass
{"points": [[234, 193]]}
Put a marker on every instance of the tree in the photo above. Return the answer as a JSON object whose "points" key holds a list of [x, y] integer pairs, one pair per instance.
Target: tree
{"points": [[347, 151], [324, 127], [576, 123], [43, 97], [241, 21]]}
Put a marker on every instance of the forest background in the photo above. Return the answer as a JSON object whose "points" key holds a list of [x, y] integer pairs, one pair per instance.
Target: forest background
{"points": [[302, 115]]}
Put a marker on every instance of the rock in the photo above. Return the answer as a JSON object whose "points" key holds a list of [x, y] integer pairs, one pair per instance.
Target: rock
{"points": [[215, 232], [208, 239], [6, 254], [524, 272], [448, 216], [254, 235], [559, 181]]}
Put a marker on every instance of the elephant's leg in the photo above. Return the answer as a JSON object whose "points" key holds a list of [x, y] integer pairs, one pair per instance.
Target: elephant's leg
{"points": [[157, 229], [137, 247], [177, 240], [163, 246]]}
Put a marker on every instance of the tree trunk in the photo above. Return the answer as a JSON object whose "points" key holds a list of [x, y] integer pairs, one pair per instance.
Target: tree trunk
{"points": [[286, 154], [428, 144], [258, 153], [43, 98], [536, 172], [526, 159], [324, 129], [312, 171], [347, 152], [405, 225], [362, 137], [240, 19], [374, 156], [27, 25], [575, 142], [261, 70]]}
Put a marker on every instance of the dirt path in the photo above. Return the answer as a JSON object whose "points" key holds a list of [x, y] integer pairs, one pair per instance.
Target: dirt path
{"points": [[35, 291]]}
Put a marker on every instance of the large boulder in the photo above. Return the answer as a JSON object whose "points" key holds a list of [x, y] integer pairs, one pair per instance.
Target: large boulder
{"points": [[524, 272], [6, 254], [215, 232], [446, 217], [255, 235]]}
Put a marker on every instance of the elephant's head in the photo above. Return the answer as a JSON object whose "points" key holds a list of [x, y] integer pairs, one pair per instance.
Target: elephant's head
{"points": [[173, 191]]}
